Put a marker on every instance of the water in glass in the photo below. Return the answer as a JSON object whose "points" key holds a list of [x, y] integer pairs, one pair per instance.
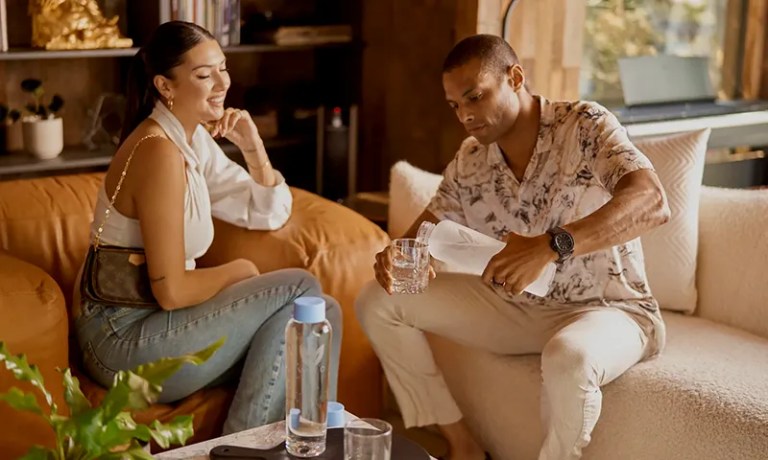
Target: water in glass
{"points": [[410, 266]]}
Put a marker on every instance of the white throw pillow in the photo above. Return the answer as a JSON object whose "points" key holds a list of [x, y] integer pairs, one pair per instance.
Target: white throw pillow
{"points": [[670, 250], [410, 190]]}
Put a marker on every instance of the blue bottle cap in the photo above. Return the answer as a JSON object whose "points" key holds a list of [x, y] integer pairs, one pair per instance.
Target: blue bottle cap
{"points": [[309, 309], [294, 416], [336, 415]]}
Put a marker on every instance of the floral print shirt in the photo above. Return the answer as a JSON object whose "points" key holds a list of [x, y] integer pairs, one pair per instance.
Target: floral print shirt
{"points": [[581, 153]]}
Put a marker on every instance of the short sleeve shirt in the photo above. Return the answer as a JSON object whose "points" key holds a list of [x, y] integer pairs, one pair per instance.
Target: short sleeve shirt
{"points": [[581, 154]]}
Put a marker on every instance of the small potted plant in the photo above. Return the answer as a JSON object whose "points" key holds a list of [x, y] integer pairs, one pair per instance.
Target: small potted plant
{"points": [[107, 431], [10, 129], [42, 130]]}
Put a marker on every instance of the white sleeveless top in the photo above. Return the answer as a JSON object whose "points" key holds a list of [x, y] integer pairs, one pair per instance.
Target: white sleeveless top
{"points": [[216, 187]]}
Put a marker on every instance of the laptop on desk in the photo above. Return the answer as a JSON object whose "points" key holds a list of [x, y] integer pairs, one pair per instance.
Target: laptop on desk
{"points": [[665, 87]]}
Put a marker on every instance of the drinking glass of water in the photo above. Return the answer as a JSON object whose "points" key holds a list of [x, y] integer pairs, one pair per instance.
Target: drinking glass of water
{"points": [[410, 266], [367, 439]]}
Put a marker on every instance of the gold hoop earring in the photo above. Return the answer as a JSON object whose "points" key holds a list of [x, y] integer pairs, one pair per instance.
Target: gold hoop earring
{"points": [[169, 103]]}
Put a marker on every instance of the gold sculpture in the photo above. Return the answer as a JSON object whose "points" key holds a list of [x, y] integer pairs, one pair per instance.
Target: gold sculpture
{"points": [[73, 24]]}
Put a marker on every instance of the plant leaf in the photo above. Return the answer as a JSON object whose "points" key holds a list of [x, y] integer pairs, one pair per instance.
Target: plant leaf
{"points": [[57, 102], [159, 371], [30, 85], [38, 453], [129, 391], [136, 390], [19, 400], [176, 432], [84, 431], [14, 115], [75, 398], [3, 112], [122, 430], [21, 369], [135, 451]]}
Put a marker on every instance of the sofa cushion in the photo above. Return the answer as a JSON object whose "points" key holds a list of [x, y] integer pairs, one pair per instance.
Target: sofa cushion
{"points": [[46, 222], [410, 190], [670, 250], [33, 321], [704, 397], [732, 258]]}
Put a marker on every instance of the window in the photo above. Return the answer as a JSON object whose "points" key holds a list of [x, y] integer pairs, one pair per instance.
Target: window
{"points": [[619, 28]]}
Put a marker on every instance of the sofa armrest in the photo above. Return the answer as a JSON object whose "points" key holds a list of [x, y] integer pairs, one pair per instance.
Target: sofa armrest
{"points": [[33, 321], [733, 253], [338, 246]]}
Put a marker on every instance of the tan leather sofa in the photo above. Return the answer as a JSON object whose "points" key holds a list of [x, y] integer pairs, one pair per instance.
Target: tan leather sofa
{"points": [[44, 236]]}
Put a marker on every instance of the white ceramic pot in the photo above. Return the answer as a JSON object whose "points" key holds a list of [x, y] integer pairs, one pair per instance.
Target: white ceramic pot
{"points": [[13, 138], [44, 138]]}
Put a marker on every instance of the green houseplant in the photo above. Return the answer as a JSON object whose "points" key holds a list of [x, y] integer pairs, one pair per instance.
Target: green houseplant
{"points": [[43, 130], [107, 431]]}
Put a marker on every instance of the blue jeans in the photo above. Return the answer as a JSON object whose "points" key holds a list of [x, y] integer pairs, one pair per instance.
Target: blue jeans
{"points": [[252, 314]]}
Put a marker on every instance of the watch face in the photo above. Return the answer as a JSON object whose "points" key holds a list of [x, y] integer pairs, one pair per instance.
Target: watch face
{"points": [[564, 242]]}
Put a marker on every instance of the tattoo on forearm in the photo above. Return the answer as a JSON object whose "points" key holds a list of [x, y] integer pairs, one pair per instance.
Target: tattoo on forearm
{"points": [[156, 280]]}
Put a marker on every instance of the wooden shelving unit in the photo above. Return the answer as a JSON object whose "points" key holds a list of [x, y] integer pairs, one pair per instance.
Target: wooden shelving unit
{"points": [[32, 54], [298, 82], [21, 164]]}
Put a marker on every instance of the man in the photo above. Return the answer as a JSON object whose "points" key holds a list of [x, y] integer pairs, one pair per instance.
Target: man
{"points": [[558, 182]]}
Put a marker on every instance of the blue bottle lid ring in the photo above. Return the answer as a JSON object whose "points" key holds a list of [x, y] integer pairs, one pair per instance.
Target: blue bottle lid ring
{"points": [[336, 415]]}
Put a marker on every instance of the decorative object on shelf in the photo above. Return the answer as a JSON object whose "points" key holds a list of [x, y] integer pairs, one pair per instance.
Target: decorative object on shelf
{"points": [[73, 24], [3, 26], [105, 121], [42, 130], [108, 430], [11, 139], [307, 35]]}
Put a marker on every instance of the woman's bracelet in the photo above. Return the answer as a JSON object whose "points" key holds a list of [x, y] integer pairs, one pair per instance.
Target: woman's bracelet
{"points": [[261, 166]]}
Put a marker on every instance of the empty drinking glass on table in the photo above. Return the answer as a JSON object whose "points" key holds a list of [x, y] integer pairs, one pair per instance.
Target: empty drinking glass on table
{"points": [[410, 266], [367, 439]]}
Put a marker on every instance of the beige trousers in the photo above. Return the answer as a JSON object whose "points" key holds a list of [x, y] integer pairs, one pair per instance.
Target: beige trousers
{"points": [[582, 348]]}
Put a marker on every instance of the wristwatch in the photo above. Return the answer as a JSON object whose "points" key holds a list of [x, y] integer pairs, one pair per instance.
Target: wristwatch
{"points": [[562, 243]]}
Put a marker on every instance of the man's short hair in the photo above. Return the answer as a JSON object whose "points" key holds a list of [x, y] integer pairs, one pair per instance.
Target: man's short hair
{"points": [[494, 53]]}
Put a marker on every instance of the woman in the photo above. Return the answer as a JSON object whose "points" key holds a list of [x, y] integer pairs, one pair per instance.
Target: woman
{"points": [[177, 179]]}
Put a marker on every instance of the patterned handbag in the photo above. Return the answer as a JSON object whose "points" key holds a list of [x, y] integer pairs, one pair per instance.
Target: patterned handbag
{"points": [[116, 275]]}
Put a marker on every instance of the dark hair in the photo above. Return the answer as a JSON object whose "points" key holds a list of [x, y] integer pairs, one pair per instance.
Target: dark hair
{"points": [[163, 51], [494, 53]]}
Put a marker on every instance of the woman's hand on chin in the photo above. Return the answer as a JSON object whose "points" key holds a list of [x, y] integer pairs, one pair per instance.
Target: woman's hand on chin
{"points": [[237, 126]]}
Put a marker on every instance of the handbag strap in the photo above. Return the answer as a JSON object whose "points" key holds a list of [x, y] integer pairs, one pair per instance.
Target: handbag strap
{"points": [[97, 238]]}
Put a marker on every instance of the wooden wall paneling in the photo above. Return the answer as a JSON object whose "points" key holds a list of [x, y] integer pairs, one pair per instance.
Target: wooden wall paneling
{"points": [[754, 48], [404, 113], [377, 28], [466, 18], [488, 16], [763, 91], [730, 86], [573, 46], [548, 37]]}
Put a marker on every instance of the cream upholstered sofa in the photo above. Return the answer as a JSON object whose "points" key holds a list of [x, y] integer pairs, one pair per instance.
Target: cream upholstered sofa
{"points": [[706, 396]]}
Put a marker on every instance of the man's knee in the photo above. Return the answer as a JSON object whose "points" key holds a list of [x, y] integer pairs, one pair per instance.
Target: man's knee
{"points": [[565, 362], [371, 305]]}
